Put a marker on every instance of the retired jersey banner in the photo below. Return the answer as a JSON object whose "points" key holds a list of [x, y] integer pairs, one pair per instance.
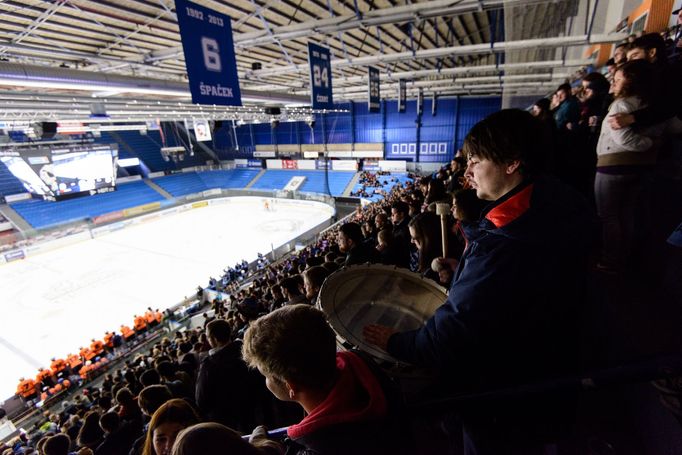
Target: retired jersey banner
{"points": [[209, 54], [320, 77], [402, 95], [374, 95]]}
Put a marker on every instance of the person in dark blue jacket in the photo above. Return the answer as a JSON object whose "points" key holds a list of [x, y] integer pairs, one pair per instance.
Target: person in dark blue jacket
{"points": [[510, 314]]}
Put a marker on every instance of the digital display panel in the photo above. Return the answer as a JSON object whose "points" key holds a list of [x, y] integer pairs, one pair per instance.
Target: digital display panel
{"points": [[54, 173]]}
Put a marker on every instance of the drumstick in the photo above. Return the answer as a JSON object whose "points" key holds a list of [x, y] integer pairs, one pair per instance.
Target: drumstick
{"points": [[443, 209]]}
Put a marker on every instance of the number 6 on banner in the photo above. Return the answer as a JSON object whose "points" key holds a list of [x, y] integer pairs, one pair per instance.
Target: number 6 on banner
{"points": [[211, 52]]}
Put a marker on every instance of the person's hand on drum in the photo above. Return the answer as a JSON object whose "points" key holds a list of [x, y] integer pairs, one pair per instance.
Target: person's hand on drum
{"points": [[378, 335]]}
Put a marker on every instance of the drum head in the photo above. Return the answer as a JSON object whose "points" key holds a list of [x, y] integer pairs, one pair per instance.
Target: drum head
{"points": [[366, 294]]}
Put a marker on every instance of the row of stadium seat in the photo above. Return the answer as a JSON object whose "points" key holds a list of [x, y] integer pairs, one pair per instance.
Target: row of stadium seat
{"points": [[45, 214]]}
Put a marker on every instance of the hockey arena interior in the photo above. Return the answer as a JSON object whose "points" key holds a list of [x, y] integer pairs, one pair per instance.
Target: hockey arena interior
{"points": [[341, 227]]}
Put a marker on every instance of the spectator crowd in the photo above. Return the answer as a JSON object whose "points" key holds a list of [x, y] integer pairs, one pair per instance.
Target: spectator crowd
{"points": [[522, 193]]}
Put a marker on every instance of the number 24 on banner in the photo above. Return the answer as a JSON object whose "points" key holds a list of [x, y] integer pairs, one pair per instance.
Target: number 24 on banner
{"points": [[320, 76]]}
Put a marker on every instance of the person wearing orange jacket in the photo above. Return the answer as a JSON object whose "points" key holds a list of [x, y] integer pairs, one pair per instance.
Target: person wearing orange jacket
{"points": [[97, 347], [127, 333], [86, 354], [58, 366], [27, 389], [74, 361], [44, 377], [150, 318], [140, 324], [158, 315], [109, 341]]}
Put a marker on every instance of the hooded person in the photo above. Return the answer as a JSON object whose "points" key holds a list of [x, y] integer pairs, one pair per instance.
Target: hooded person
{"points": [[295, 349]]}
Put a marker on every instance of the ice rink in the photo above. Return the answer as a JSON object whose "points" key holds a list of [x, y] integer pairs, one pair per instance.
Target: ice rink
{"points": [[54, 302]]}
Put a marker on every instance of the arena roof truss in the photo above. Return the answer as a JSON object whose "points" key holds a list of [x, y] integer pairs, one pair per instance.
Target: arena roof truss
{"points": [[58, 57]]}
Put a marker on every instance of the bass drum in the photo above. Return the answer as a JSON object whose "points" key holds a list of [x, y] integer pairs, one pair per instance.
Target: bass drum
{"points": [[356, 296]]}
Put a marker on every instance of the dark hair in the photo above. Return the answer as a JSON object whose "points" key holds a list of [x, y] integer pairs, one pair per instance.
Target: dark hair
{"points": [[109, 422], [566, 88], [639, 79], [400, 207], [57, 445], [426, 227], [506, 136], [468, 205], [165, 369], [291, 285], [597, 82], [651, 41], [543, 104], [353, 231], [150, 377], [152, 397], [220, 330], [610, 62]]}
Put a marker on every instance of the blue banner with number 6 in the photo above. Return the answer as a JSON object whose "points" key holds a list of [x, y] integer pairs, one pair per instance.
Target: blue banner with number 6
{"points": [[209, 54], [320, 77]]}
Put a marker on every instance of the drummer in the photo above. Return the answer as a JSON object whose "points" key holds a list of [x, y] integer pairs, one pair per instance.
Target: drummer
{"points": [[508, 319]]}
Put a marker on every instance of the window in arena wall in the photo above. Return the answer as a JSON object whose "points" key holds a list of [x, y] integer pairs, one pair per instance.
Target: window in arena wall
{"points": [[639, 24]]}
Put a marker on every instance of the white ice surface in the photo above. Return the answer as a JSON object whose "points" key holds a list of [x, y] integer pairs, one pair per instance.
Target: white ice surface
{"points": [[54, 302]]}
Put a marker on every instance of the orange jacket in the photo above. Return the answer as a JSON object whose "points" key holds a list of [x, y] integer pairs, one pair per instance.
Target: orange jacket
{"points": [[57, 365], [149, 317], [73, 360], [159, 316], [126, 332], [87, 354], [97, 347], [84, 371], [109, 339], [140, 323], [43, 374], [26, 388]]}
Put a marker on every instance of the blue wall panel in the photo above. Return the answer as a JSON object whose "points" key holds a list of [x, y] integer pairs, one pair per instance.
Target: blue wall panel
{"points": [[473, 110], [368, 125], [439, 136]]}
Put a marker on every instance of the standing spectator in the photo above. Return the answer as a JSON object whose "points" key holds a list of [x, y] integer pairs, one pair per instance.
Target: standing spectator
{"points": [[623, 156], [401, 233], [510, 313], [224, 384], [666, 98]]}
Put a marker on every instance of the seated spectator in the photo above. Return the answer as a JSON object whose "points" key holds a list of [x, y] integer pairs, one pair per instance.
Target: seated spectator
{"points": [[226, 389], [90, 434], [291, 291], [58, 444], [171, 418], [312, 282], [295, 349], [352, 243], [128, 408], [388, 254], [118, 436], [566, 111], [216, 439], [426, 236]]}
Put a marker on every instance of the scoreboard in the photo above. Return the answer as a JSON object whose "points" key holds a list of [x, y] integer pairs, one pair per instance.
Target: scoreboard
{"points": [[60, 172]]}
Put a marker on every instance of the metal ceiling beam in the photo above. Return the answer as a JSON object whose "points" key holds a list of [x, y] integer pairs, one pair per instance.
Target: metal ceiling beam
{"points": [[484, 48]]}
